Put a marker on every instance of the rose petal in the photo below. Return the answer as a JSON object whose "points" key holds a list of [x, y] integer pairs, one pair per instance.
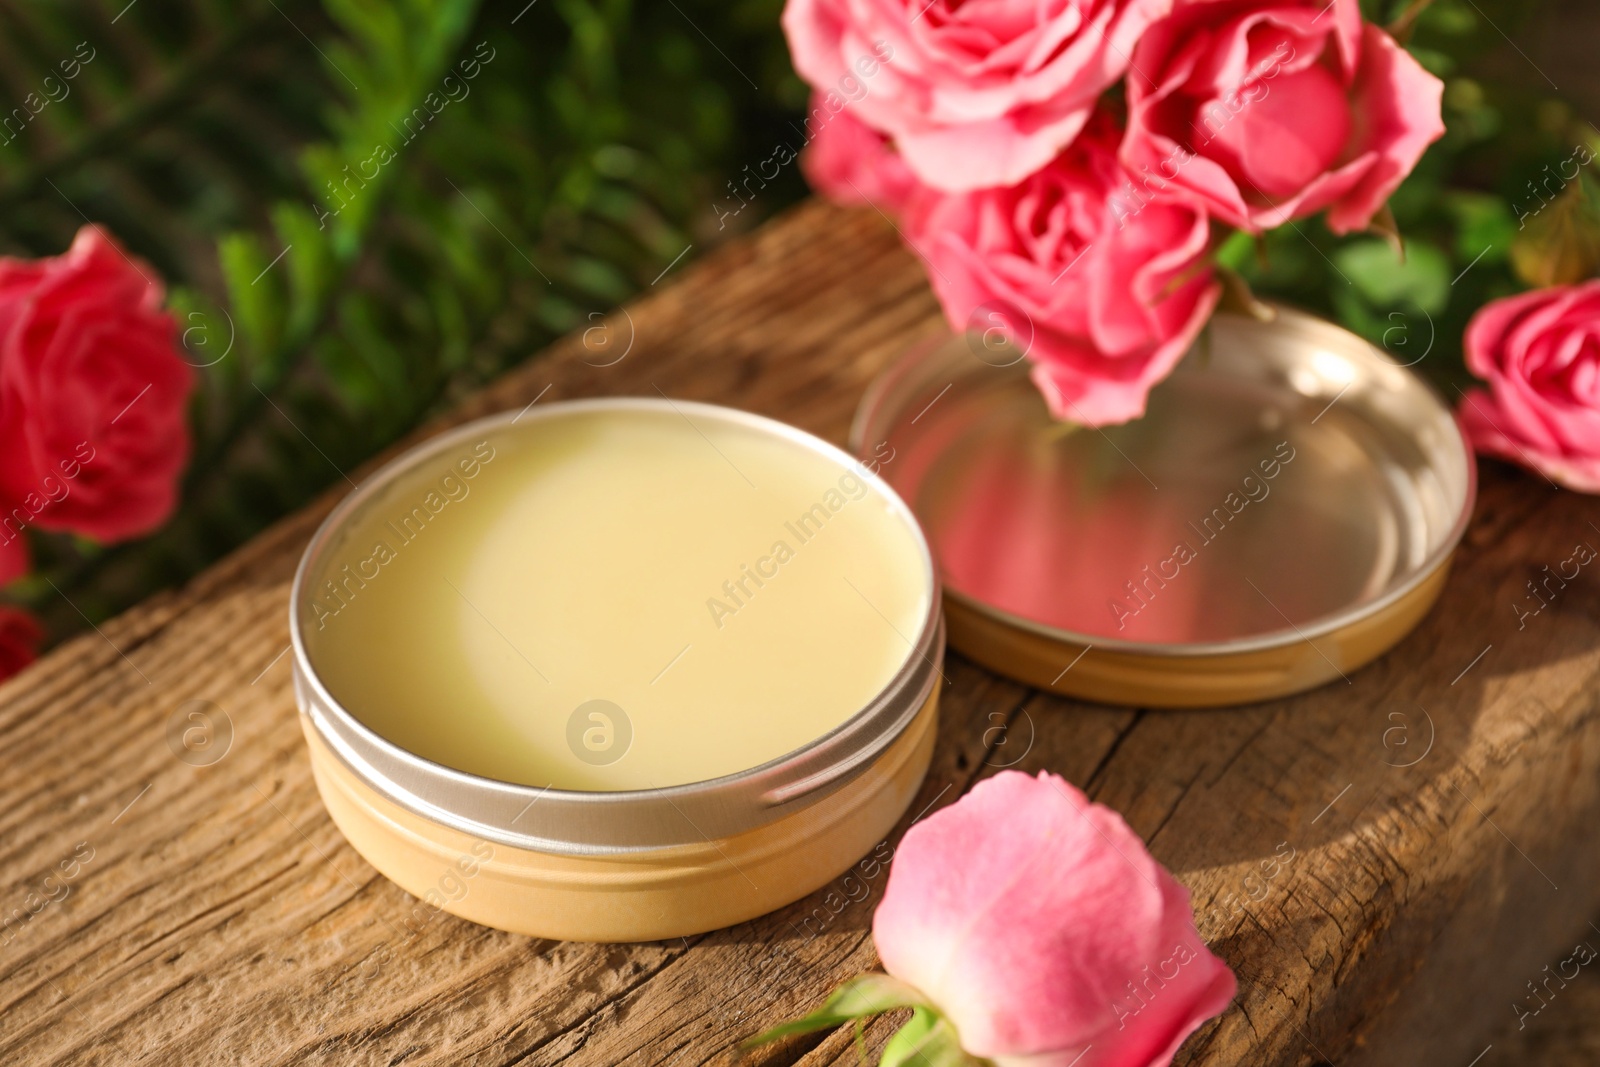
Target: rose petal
{"points": [[975, 95], [1289, 107], [1113, 280], [1040, 925]]}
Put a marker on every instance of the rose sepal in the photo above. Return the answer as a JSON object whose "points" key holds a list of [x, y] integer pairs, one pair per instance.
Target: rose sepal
{"points": [[927, 1039]]}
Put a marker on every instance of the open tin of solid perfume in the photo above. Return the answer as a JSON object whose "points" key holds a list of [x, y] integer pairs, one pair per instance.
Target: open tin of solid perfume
{"points": [[617, 670], [1285, 512]]}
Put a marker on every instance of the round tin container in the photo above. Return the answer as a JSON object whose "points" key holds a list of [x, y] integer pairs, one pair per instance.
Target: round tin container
{"points": [[627, 865], [1285, 512]]}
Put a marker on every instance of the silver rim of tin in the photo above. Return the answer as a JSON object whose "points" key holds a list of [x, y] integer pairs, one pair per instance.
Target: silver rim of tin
{"points": [[570, 822], [882, 402]]}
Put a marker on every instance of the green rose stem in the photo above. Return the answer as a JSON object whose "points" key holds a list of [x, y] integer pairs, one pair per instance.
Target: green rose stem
{"points": [[927, 1038], [1400, 29]]}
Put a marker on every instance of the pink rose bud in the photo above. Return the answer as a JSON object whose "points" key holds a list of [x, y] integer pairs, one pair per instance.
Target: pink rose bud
{"points": [[1041, 928], [93, 394], [1540, 354], [1272, 110], [972, 94]]}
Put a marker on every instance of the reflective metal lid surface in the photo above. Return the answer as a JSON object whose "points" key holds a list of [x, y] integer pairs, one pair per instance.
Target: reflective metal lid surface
{"points": [[1287, 479]]}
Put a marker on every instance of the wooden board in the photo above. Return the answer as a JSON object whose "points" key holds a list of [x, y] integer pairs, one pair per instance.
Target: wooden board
{"points": [[1439, 808]]}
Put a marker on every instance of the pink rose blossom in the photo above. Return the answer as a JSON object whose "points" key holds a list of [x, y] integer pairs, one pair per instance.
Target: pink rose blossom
{"points": [[852, 164], [1112, 292], [93, 393], [974, 94], [1041, 927], [1540, 354], [1272, 110]]}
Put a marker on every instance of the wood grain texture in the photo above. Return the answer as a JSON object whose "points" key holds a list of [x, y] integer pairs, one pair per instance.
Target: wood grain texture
{"points": [[220, 917]]}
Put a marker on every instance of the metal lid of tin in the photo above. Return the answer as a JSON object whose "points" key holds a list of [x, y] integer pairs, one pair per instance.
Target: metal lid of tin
{"points": [[1288, 482], [572, 822]]}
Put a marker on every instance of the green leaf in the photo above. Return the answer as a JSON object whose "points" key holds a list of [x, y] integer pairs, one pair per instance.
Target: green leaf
{"points": [[1423, 279], [256, 307], [1238, 252], [1561, 244], [308, 264], [871, 994], [1439, 64], [1450, 19], [1484, 225]]}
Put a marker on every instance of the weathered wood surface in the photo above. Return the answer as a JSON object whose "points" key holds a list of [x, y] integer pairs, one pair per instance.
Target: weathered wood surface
{"points": [[222, 918]]}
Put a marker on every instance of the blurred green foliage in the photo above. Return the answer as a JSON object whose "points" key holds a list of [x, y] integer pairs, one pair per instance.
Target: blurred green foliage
{"points": [[368, 208]]}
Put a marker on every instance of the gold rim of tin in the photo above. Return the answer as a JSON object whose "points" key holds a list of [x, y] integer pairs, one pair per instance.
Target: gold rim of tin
{"points": [[1113, 676], [1112, 670], [672, 892]]}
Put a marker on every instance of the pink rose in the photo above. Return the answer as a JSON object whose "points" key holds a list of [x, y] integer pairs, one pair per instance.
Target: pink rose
{"points": [[20, 634], [1272, 110], [1039, 925], [92, 394], [1112, 292], [850, 163], [1540, 354], [973, 94]]}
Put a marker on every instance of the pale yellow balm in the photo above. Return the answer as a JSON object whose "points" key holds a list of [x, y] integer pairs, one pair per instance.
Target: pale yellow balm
{"points": [[605, 600]]}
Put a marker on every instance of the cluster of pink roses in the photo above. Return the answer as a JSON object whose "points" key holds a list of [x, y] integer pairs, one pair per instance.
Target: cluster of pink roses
{"points": [[93, 396], [1087, 223]]}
